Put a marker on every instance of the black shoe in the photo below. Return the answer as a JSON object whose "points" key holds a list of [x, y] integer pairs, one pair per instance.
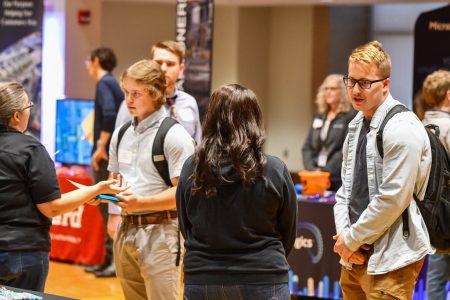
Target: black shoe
{"points": [[109, 271], [97, 268]]}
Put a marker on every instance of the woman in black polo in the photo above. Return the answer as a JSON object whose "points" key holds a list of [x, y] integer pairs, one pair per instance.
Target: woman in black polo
{"points": [[29, 195]]}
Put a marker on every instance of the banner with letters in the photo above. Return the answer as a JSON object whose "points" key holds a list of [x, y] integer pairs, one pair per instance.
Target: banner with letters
{"points": [[194, 27], [431, 45], [21, 50], [315, 268]]}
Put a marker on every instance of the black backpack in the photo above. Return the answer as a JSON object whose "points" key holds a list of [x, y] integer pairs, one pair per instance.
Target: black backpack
{"points": [[435, 207], [158, 157]]}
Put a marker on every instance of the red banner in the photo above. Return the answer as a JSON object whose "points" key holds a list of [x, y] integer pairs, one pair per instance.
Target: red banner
{"points": [[78, 236]]}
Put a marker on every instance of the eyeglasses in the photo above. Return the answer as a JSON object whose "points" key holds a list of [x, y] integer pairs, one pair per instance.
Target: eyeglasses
{"points": [[363, 83], [29, 106]]}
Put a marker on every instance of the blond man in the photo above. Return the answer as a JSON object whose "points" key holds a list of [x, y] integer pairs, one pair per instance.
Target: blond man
{"points": [[147, 246], [378, 262]]}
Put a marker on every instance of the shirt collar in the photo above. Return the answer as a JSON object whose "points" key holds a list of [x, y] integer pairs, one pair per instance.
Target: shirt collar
{"points": [[150, 121]]}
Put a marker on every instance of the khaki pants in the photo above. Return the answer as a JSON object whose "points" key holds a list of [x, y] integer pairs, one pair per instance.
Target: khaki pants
{"points": [[356, 284], [145, 260]]}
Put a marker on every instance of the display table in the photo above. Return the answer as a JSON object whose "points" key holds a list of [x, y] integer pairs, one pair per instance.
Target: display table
{"points": [[78, 236], [43, 295], [312, 258]]}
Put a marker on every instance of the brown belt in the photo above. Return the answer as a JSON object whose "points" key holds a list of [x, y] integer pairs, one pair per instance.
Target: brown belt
{"points": [[150, 218]]}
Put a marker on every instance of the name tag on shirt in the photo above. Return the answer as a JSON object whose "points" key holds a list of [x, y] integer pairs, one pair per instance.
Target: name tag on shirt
{"points": [[322, 159], [125, 156], [317, 123], [186, 114]]}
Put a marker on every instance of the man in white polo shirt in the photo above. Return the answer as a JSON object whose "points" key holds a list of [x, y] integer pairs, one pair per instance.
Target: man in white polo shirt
{"points": [[147, 243]]}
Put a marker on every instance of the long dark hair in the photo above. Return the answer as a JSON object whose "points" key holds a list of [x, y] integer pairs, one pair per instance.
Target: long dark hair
{"points": [[233, 133]]}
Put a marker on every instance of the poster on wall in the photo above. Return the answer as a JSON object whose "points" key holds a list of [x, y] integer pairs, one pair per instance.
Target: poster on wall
{"points": [[194, 27], [431, 45], [21, 50]]}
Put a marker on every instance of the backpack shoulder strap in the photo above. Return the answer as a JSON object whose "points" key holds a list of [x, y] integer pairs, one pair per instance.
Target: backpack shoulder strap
{"points": [[158, 158], [122, 130], [395, 110]]}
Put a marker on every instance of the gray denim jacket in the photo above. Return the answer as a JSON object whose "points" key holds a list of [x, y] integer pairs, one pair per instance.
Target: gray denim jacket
{"points": [[392, 182]]}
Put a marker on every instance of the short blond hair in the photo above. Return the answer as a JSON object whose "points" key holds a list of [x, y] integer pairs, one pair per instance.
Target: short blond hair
{"points": [[435, 87], [372, 52], [344, 104], [149, 74]]}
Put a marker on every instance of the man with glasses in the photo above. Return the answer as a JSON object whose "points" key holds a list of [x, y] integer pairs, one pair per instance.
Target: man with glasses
{"points": [[378, 262]]}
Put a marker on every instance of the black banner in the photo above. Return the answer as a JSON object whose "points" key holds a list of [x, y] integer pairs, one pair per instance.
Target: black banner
{"points": [[315, 267], [194, 27], [431, 45], [21, 50]]}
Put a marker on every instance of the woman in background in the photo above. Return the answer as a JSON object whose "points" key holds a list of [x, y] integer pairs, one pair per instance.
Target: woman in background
{"points": [[29, 195], [322, 149], [236, 205]]}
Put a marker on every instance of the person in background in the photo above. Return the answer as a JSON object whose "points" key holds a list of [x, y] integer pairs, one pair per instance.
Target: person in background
{"points": [[236, 205], [378, 261], [108, 96], [29, 195], [322, 149], [147, 245], [436, 93], [179, 105]]}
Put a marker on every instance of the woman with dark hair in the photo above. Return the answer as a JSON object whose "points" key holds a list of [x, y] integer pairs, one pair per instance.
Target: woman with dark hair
{"points": [[237, 206]]}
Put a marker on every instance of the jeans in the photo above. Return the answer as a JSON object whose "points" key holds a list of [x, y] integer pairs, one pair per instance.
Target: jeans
{"points": [[437, 275], [237, 292], [24, 269]]}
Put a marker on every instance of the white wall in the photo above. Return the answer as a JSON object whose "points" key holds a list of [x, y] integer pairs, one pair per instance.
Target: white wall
{"points": [[289, 82], [66, 45], [130, 29], [267, 49], [80, 41]]}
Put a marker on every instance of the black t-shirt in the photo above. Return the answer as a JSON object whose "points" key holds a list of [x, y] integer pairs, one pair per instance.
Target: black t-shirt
{"points": [[27, 178], [240, 235], [359, 199]]}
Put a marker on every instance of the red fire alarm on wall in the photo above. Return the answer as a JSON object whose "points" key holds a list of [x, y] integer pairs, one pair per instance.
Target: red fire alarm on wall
{"points": [[84, 17]]}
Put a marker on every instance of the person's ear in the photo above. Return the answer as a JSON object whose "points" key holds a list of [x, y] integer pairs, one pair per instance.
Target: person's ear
{"points": [[95, 62], [181, 70], [15, 119], [386, 84]]}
